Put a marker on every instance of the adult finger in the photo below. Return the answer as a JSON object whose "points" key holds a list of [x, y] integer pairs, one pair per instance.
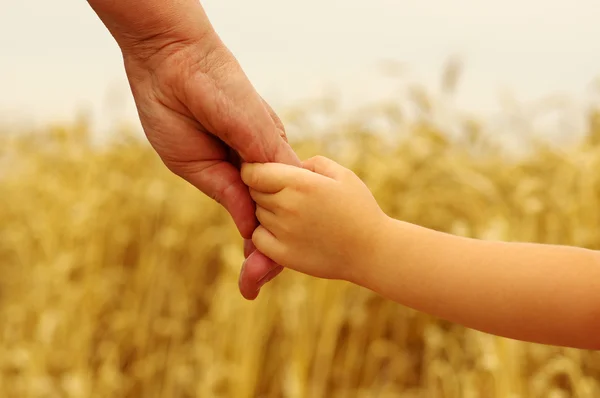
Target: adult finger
{"points": [[258, 134], [248, 247], [257, 270], [260, 264], [201, 160], [278, 123], [238, 116], [234, 158], [221, 181]]}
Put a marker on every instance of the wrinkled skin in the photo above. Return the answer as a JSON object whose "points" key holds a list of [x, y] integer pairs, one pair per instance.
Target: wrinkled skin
{"points": [[203, 117]]}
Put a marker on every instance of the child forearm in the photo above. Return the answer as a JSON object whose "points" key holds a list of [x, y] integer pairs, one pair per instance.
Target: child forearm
{"points": [[323, 221], [532, 292]]}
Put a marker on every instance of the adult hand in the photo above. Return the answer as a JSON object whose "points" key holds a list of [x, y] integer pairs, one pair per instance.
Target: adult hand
{"points": [[199, 111]]}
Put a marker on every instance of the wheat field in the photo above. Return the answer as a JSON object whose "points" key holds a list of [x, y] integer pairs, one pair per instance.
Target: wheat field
{"points": [[117, 279]]}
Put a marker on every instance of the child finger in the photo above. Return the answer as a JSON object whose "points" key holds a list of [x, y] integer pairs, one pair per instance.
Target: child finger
{"points": [[268, 245], [266, 200], [267, 219], [270, 177], [325, 167]]}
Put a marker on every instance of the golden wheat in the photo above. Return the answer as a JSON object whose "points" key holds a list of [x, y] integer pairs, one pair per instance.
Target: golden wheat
{"points": [[120, 280]]}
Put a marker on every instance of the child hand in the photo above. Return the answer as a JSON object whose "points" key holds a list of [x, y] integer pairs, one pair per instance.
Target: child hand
{"points": [[320, 220]]}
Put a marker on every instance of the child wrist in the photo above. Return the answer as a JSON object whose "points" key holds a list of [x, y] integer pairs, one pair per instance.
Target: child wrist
{"points": [[366, 264]]}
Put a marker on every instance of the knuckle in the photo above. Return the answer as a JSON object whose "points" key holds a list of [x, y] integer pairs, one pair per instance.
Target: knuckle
{"points": [[254, 149], [287, 229], [302, 187], [319, 162], [347, 173], [178, 167], [187, 171], [292, 204], [286, 198], [174, 168]]}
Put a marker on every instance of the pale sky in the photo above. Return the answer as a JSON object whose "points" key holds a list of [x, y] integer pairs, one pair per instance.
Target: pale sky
{"points": [[56, 56]]}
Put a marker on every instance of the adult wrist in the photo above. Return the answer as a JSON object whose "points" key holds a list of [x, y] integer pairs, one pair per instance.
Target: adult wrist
{"points": [[148, 29], [150, 52]]}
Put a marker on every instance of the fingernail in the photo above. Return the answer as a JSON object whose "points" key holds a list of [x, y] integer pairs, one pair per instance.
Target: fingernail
{"points": [[268, 277], [241, 273]]}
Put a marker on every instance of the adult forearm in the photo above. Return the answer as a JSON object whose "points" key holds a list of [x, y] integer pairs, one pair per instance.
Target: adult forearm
{"points": [[159, 22], [539, 293]]}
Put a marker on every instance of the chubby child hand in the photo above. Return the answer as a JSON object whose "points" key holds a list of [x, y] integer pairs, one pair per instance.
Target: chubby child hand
{"points": [[322, 220], [319, 220]]}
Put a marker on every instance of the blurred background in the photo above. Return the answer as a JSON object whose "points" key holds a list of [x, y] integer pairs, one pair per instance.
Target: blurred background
{"points": [[117, 279]]}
